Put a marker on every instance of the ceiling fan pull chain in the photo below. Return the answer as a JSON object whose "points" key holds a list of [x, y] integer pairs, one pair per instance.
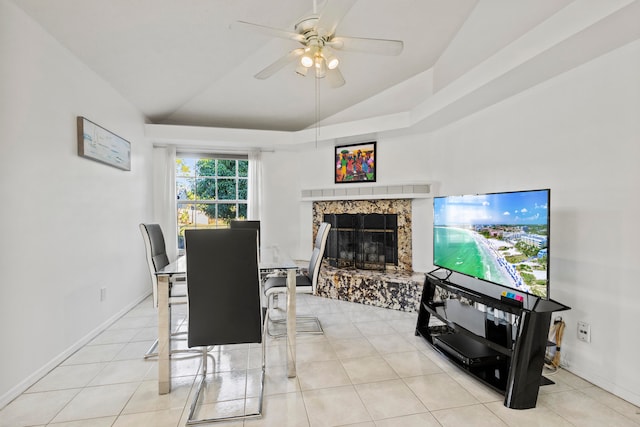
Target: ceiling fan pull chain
{"points": [[317, 84]]}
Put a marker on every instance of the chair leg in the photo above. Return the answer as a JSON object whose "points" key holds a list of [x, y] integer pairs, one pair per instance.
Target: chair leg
{"points": [[192, 410], [191, 421], [314, 325], [153, 350]]}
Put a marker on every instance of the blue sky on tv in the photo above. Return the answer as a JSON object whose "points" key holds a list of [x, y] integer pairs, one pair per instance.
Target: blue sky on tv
{"points": [[516, 208]]}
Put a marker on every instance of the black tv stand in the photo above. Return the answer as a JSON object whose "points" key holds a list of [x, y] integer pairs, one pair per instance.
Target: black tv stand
{"points": [[501, 343]]}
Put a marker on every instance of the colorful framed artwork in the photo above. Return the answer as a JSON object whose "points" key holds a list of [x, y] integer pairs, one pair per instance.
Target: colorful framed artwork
{"points": [[97, 143], [355, 163]]}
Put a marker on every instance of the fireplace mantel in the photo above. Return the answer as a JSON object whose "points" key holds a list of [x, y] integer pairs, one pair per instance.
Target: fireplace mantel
{"points": [[369, 192]]}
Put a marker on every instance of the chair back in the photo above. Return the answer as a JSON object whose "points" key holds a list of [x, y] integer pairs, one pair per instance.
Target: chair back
{"points": [[246, 224], [223, 287], [318, 253], [156, 253], [154, 244]]}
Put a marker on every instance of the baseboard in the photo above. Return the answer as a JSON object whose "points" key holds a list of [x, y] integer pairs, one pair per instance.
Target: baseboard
{"points": [[21, 387], [604, 383]]}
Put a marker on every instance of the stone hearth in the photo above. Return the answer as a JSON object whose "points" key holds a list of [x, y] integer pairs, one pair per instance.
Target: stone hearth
{"points": [[395, 290]]}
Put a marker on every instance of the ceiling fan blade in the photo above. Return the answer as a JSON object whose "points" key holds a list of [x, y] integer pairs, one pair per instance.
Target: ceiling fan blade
{"points": [[332, 14], [270, 31], [377, 46], [280, 63], [335, 78]]}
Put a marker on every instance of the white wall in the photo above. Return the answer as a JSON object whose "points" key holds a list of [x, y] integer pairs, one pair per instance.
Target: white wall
{"points": [[281, 210], [68, 225], [576, 134]]}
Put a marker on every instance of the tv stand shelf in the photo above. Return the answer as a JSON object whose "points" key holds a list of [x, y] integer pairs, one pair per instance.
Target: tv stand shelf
{"points": [[500, 343], [457, 329]]}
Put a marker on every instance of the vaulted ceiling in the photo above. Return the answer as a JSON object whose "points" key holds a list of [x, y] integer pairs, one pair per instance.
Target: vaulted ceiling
{"points": [[180, 63]]}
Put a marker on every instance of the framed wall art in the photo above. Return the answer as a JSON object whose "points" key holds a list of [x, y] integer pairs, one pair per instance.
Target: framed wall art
{"points": [[355, 163], [97, 143]]}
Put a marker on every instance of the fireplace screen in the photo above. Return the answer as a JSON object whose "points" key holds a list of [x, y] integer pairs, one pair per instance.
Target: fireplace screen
{"points": [[364, 241]]}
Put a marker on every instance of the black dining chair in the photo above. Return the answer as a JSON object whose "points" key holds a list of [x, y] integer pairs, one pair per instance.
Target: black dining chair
{"points": [[246, 224], [224, 300], [156, 256]]}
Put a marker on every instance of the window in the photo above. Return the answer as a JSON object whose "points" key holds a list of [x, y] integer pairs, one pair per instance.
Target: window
{"points": [[211, 191]]}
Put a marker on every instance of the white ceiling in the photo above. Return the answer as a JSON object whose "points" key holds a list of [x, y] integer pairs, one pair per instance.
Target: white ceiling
{"points": [[180, 63]]}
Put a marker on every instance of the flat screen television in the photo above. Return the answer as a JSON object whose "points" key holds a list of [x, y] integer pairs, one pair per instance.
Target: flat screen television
{"points": [[501, 238]]}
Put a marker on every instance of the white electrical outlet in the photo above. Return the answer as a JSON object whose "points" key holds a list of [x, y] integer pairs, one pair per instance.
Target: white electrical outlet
{"points": [[103, 294], [584, 332]]}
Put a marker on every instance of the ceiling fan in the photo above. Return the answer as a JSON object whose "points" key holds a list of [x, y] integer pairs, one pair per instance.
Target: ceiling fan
{"points": [[317, 35]]}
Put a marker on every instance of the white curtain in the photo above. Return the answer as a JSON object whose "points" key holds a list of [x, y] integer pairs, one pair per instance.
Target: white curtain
{"points": [[164, 197], [254, 196]]}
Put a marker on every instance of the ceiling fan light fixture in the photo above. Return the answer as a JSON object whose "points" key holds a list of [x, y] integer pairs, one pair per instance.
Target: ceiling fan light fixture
{"points": [[320, 66], [301, 70], [331, 61], [306, 61], [308, 57], [317, 35]]}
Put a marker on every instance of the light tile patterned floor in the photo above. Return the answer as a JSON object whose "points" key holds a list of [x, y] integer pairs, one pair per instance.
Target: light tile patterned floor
{"points": [[367, 370]]}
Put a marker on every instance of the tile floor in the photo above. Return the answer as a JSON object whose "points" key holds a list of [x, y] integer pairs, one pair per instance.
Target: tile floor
{"points": [[367, 370]]}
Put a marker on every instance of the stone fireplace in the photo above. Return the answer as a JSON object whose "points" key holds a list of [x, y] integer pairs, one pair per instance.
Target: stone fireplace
{"points": [[399, 208], [383, 277]]}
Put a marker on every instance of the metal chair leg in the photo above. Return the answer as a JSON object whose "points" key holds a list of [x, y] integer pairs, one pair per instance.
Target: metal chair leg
{"points": [[191, 421], [153, 350], [314, 325]]}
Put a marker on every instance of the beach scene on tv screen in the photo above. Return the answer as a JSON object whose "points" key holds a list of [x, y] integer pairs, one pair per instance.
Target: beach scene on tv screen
{"points": [[502, 238]]}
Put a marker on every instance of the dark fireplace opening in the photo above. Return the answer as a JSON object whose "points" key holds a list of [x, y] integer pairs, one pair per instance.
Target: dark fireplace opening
{"points": [[363, 241]]}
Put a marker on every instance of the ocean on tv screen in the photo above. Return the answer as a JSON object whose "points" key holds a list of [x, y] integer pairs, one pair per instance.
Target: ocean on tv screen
{"points": [[501, 238]]}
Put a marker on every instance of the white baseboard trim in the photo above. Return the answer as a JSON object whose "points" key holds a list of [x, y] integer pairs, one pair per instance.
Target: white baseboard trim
{"points": [[19, 388], [604, 383]]}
